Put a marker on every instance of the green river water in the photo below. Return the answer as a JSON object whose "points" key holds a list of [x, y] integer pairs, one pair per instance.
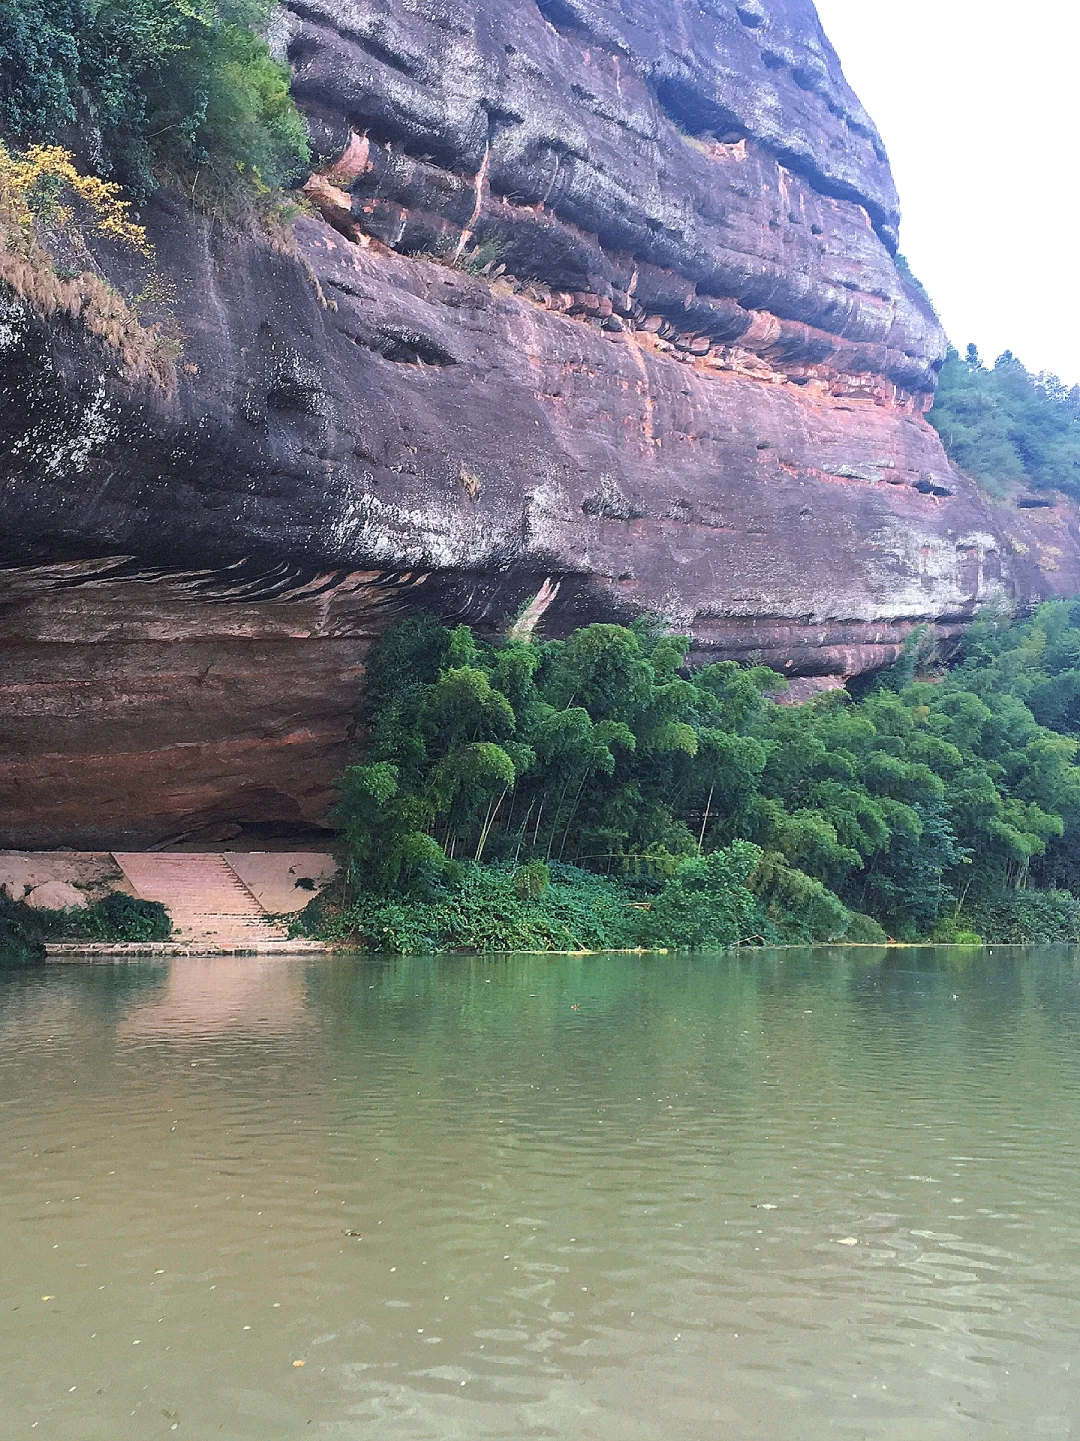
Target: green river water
{"points": [[771, 1197]]}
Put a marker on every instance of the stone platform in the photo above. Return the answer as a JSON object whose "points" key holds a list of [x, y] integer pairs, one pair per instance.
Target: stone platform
{"points": [[81, 952], [220, 903]]}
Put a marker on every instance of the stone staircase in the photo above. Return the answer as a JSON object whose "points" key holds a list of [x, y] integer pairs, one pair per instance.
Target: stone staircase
{"points": [[208, 902]]}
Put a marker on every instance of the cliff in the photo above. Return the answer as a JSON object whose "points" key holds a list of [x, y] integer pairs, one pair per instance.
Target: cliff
{"points": [[597, 310]]}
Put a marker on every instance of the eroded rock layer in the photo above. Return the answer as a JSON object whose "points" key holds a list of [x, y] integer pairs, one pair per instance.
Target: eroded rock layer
{"points": [[598, 314], [138, 707]]}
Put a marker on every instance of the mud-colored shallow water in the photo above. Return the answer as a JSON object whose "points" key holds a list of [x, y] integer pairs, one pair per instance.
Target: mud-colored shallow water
{"points": [[779, 1197]]}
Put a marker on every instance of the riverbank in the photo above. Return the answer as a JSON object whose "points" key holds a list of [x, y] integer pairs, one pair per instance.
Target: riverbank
{"points": [[110, 952], [208, 902], [79, 952]]}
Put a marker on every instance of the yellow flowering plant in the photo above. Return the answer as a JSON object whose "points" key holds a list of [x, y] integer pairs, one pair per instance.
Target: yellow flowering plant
{"points": [[47, 210], [36, 186]]}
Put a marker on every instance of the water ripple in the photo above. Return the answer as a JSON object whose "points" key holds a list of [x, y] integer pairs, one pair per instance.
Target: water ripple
{"points": [[772, 1198]]}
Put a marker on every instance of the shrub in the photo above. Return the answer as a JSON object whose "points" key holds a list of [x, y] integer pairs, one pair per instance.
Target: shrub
{"points": [[532, 881], [1027, 917], [183, 88], [46, 207], [120, 917], [18, 945], [794, 908], [116, 917], [864, 931], [34, 188], [708, 904], [954, 931], [483, 908]]}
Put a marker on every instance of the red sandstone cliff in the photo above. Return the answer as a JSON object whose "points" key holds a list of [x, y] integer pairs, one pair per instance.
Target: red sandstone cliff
{"points": [[606, 312]]}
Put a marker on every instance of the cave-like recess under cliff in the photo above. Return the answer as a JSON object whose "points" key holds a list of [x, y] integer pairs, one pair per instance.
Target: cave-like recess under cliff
{"points": [[598, 306]]}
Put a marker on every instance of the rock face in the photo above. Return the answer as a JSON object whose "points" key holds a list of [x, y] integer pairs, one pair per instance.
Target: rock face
{"points": [[598, 310]]}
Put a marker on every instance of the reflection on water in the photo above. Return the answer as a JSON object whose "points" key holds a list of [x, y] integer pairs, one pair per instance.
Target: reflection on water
{"points": [[202, 997], [778, 1197]]}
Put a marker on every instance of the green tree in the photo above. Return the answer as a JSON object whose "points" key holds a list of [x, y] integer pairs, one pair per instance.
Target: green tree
{"points": [[182, 89], [1007, 427], [607, 752]]}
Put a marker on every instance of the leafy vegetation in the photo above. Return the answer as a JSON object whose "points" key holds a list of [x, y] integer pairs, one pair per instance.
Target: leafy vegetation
{"points": [[18, 947], [497, 907], [143, 91], [1007, 427], [1026, 916], [181, 88], [116, 917], [692, 809]]}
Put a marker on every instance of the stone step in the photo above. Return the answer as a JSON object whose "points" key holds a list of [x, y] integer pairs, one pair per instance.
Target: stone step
{"points": [[202, 893]]}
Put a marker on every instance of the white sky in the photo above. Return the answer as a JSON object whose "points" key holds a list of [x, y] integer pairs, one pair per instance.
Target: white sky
{"points": [[978, 102]]}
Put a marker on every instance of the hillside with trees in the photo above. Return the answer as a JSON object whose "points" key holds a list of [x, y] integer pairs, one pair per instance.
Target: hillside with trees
{"points": [[1007, 427], [594, 792]]}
